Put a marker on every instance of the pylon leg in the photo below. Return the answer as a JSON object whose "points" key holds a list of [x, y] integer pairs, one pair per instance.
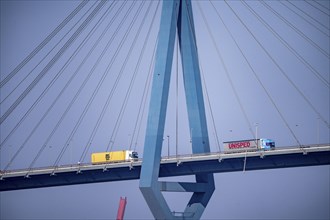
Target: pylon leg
{"points": [[175, 14]]}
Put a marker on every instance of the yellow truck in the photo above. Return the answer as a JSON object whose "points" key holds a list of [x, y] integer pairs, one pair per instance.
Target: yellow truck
{"points": [[114, 156]]}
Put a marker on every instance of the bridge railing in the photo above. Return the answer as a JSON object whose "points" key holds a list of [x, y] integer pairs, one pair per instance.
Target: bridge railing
{"points": [[164, 159], [224, 152]]}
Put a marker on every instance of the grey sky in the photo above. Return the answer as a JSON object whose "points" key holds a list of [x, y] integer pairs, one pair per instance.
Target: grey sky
{"points": [[299, 193]]}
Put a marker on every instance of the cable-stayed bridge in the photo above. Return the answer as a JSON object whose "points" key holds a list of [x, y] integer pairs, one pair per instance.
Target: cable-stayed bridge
{"points": [[86, 86], [171, 166]]}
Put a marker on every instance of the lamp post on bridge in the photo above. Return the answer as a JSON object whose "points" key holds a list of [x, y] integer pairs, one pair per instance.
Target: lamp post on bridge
{"points": [[318, 131], [256, 125], [168, 146]]}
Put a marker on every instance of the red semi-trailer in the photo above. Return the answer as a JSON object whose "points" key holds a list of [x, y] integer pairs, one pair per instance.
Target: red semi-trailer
{"points": [[248, 145]]}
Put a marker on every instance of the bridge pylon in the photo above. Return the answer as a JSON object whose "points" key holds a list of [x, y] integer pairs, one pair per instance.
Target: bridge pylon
{"points": [[176, 16]]}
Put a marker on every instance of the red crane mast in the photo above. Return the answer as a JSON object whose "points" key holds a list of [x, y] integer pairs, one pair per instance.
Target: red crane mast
{"points": [[121, 208]]}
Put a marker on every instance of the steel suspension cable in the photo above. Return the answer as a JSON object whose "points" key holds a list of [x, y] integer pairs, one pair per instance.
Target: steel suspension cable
{"points": [[303, 18], [287, 45], [226, 72], [43, 43], [107, 70], [138, 65], [322, 6], [128, 92], [261, 84], [52, 62], [280, 68], [88, 144], [42, 94], [210, 108], [91, 32], [107, 46], [119, 118], [256, 75], [82, 116], [84, 82], [74, 75], [317, 8], [176, 95], [143, 103], [308, 15], [202, 74], [308, 39], [51, 50], [105, 107]]}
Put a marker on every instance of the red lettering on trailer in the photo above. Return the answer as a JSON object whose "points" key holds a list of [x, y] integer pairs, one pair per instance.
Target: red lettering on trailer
{"points": [[239, 145]]}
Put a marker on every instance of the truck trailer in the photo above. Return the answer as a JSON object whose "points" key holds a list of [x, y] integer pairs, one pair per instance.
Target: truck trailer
{"points": [[248, 145], [114, 156]]}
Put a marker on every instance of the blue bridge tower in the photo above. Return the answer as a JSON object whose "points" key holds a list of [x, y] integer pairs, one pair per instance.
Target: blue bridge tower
{"points": [[176, 16]]}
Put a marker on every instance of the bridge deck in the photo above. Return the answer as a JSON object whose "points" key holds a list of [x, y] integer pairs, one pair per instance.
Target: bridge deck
{"points": [[172, 166]]}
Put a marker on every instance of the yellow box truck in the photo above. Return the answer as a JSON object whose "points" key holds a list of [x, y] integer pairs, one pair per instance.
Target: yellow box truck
{"points": [[114, 156]]}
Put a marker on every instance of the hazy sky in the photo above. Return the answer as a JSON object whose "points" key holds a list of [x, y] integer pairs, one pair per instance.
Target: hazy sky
{"points": [[295, 76]]}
